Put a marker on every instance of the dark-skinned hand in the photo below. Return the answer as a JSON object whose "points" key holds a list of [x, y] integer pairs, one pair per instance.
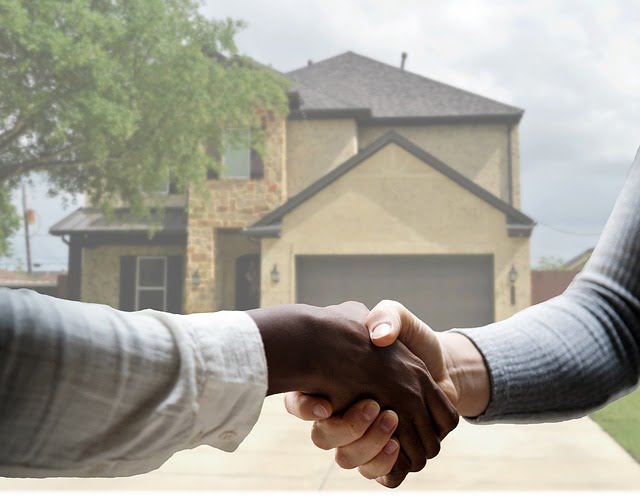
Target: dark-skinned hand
{"points": [[327, 352]]}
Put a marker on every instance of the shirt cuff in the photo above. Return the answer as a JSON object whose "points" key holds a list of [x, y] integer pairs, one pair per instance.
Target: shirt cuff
{"points": [[235, 380]]}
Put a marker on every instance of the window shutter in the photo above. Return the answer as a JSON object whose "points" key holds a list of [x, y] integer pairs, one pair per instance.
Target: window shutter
{"points": [[127, 283], [175, 283], [256, 166]]}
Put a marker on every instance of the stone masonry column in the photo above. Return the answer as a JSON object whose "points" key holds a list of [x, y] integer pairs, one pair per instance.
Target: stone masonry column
{"points": [[200, 259]]}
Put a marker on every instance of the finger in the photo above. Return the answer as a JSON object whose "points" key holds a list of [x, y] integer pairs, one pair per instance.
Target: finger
{"points": [[307, 407], [367, 447], [427, 433], [398, 473], [411, 443], [338, 431], [382, 464], [444, 416]]}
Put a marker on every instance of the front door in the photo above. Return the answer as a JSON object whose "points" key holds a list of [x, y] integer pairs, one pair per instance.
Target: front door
{"points": [[248, 282]]}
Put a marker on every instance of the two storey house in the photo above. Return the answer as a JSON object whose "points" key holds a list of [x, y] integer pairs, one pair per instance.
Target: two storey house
{"points": [[380, 183]]}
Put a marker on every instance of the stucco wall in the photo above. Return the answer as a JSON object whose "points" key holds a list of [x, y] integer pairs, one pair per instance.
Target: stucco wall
{"points": [[230, 203], [479, 151], [315, 147], [101, 270], [394, 204]]}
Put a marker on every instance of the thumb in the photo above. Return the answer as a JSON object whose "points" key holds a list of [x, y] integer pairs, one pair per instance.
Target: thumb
{"points": [[390, 321], [385, 323]]}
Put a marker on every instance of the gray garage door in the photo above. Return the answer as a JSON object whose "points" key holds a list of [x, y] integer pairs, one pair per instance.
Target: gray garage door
{"points": [[445, 291]]}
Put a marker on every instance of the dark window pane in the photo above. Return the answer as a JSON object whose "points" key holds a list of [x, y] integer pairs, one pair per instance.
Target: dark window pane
{"points": [[151, 299], [151, 272]]}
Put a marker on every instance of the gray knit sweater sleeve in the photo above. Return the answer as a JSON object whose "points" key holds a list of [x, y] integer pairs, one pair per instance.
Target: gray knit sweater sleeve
{"points": [[577, 352]]}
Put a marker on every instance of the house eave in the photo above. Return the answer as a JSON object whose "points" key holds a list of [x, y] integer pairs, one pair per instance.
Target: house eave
{"points": [[520, 230], [270, 231]]}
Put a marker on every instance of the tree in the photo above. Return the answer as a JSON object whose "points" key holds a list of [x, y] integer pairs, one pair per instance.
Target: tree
{"points": [[549, 263], [115, 97]]}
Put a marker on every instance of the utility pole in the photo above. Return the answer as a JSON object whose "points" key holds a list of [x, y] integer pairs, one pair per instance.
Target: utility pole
{"points": [[25, 216]]}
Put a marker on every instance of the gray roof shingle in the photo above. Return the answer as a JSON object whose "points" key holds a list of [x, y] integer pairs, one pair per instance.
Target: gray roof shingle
{"points": [[353, 81], [91, 220]]}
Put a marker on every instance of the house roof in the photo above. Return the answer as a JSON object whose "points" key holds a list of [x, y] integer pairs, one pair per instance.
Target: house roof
{"points": [[519, 224], [35, 279], [578, 262], [353, 81], [91, 220]]}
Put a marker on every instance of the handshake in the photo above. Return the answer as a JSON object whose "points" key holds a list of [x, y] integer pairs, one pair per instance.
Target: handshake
{"points": [[384, 405]]}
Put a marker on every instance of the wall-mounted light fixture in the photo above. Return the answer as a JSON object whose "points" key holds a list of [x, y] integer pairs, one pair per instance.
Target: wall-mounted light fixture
{"points": [[195, 278], [513, 276], [275, 274]]}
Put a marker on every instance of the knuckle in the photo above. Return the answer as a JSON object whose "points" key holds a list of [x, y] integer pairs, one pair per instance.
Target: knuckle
{"points": [[367, 473], [343, 460], [318, 437], [434, 450], [418, 464], [395, 477]]}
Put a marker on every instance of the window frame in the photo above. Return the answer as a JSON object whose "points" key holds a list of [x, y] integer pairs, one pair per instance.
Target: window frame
{"points": [[156, 288]]}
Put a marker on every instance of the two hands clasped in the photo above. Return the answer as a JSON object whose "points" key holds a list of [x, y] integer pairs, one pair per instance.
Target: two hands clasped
{"points": [[381, 386]]}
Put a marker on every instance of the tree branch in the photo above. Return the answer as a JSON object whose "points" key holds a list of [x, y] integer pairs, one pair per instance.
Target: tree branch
{"points": [[37, 164], [6, 137]]}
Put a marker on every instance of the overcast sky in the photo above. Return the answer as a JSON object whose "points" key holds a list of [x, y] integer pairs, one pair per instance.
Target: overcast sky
{"points": [[573, 66]]}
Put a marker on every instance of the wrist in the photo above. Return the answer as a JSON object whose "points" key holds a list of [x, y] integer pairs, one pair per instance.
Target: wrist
{"points": [[285, 332], [468, 372]]}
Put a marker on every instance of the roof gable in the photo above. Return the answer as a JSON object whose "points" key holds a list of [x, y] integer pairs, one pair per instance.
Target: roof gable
{"points": [[519, 223], [358, 82]]}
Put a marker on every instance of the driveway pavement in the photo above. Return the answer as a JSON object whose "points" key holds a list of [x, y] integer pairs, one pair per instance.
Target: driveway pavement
{"points": [[575, 455]]}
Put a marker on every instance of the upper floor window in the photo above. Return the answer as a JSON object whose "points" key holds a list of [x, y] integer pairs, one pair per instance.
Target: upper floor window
{"points": [[237, 153], [240, 159]]}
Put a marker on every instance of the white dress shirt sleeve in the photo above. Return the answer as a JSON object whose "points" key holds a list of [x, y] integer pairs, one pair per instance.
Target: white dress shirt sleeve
{"points": [[87, 390]]}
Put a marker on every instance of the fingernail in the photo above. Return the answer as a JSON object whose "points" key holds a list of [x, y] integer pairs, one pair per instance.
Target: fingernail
{"points": [[391, 447], [370, 411], [319, 411], [388, 423], [382, 330]]}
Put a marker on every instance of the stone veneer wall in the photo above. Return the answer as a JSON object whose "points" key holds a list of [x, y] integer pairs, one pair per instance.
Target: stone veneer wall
{"points": [[230, 203]]}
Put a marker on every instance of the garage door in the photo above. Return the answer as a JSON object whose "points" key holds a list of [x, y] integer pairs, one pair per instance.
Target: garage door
{"points": [[444, 291]]}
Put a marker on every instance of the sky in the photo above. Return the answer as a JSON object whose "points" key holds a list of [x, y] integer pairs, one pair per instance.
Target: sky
{"points": [[572, 66]]}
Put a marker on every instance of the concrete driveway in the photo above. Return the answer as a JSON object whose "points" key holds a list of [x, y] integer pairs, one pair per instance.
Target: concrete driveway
{"points": [[575, 455]]}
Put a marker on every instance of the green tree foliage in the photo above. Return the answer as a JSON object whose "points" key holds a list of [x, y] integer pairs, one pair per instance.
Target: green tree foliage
{"points": [[548, 263], [115, 97], [9, 220]]}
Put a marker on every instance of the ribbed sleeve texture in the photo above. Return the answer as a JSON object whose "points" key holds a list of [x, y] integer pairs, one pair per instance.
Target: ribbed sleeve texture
{"points": [[577, 352]]}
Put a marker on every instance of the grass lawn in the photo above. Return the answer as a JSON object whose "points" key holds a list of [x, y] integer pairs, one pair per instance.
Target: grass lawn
{"points": [[621, 420]]}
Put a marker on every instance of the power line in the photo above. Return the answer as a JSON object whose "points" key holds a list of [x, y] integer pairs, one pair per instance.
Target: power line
{"points": [[568, 232]]}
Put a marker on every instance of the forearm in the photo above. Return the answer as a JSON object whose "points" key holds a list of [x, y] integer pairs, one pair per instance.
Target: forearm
{"points": [[86, 390], [571, 355]]}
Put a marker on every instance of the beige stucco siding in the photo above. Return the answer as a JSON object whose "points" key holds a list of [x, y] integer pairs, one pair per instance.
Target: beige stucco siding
{"points": [[393, 203], [479, 151], [315, 147], [101, 270]]}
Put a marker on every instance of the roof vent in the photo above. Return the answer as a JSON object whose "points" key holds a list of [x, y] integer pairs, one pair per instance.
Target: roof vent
{"points": [[309, 62], [404, 59]]}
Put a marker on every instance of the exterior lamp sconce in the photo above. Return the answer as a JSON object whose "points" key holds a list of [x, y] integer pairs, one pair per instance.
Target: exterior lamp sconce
{"points": [[275, 275], [195, 278], [513, 276]]}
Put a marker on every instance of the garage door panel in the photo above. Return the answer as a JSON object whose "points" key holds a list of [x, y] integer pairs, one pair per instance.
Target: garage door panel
{"points": [[445, 291]]}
